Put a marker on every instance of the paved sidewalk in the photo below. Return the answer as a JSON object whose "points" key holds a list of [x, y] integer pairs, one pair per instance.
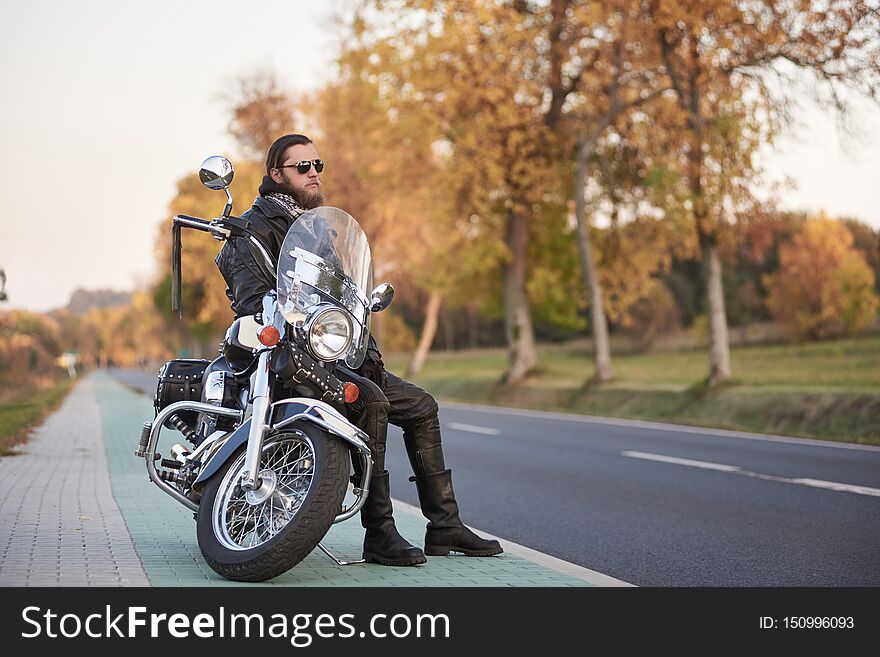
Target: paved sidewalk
{"points": [[83, 513], [59, 522]]}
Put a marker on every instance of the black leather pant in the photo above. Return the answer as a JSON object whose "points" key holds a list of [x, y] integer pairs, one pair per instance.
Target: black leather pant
{"points": [[404, 405], [407, 406], [369, 413], [415, 411]]}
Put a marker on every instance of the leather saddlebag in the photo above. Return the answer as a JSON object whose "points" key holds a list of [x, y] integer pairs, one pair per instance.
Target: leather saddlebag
{"points": [[181, 380]]}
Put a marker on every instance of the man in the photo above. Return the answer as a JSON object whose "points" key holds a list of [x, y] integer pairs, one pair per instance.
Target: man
{"points": [[292, 185]]}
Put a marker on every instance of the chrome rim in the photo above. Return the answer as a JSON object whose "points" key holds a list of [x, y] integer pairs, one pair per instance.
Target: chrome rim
{"points": [[244, 520]]}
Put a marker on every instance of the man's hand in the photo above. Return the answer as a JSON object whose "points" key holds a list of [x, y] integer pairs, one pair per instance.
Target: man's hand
{"points": [[373, 368]]}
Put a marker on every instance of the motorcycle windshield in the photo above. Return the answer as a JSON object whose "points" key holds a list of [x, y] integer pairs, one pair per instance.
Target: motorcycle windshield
{"points": [[325, 258]]}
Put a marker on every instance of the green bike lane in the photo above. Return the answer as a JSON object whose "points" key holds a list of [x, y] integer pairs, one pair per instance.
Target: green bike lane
{"points": [[163, 530]]}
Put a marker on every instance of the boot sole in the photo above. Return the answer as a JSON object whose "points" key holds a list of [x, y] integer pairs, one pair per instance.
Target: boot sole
{"points": [[440, 551], [371, 558]]}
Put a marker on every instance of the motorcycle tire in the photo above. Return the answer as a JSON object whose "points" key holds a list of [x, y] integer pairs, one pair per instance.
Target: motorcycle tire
{"points": [[253, 537]]}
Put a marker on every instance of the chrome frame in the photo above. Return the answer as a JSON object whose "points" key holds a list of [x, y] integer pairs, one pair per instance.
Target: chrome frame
{"points": [[215, 386], [355, 440], [261, 403], [158, 424], [338, 561], [260, 399]]}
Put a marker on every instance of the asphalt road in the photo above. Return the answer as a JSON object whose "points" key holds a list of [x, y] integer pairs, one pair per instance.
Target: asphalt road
{"points": [[659, 505]]}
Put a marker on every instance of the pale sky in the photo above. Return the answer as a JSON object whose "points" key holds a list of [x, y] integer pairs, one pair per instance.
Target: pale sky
{"points": [[106, 104]]}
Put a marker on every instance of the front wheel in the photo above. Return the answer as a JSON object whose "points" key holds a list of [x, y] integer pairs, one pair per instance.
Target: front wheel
{"points": [[252, 536]]}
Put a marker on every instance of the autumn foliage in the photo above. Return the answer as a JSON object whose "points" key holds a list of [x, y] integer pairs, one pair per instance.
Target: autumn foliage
{"points": [[543, 169], [823, 285], [29, 344]]}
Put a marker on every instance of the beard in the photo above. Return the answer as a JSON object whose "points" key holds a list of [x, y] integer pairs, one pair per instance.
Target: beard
{"points": [[307, 199]]}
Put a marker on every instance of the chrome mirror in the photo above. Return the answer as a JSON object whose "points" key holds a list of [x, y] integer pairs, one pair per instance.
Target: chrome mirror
{"points": [[216, 172], [381, 297]]}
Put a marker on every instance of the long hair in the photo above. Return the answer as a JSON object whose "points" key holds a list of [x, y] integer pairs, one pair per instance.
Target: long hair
{"points": [[277, 149]]}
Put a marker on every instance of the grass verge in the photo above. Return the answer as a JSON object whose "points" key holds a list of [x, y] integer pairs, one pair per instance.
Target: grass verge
{"points": [[827, 390], [27, 408]]}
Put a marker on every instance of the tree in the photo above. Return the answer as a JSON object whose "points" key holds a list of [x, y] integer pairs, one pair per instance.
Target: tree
{"points": [[867, 240], [645, 228], [420, 355], [381, 170], [29, 345], [618, 72], [823, 284], [718, 56], [261, 112], [493, 75], [500, 132], [524, 81]]}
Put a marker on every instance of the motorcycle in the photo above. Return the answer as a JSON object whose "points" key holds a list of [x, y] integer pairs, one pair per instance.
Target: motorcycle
{"points": [[268, 468]]}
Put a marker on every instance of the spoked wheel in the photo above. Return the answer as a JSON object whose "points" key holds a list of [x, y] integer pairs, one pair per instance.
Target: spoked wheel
{"points": [[252, 536]]}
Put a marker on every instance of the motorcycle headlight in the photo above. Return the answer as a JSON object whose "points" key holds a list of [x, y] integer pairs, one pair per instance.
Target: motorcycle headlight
{"points": [[329, 333]]}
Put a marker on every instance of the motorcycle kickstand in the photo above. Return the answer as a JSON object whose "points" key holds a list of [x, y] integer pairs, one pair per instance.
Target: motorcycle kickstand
{"points": [[338, 561]]}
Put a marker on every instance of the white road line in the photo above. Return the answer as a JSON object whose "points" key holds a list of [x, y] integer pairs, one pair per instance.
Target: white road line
{"points": [[815, 483], [472, 428], [833, 485], [659, 426], [671, 459]]}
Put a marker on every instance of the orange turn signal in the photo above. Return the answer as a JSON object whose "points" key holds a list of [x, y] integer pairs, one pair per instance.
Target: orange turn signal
{"points": [[351, 392], [269, 336]]}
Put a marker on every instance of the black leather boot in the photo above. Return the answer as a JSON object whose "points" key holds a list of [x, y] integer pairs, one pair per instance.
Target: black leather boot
{"points": [[446, 533], [382, 543]]}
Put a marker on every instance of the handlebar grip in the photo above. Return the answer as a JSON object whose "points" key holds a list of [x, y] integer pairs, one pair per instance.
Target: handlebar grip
{"points": [[191, 222]]}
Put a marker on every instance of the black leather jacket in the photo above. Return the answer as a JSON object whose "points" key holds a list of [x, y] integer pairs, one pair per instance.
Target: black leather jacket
{"points": [[247, 281], [241, 263]]}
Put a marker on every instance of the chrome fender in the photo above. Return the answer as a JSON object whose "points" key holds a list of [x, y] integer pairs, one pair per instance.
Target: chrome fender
{"points": [[287, 411]]}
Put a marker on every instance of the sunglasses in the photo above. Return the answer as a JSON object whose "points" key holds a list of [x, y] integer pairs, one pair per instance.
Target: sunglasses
{"points": [[305, 166]]}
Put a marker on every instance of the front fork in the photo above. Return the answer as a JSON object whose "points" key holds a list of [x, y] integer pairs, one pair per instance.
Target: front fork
{"points": [[261, 402]]}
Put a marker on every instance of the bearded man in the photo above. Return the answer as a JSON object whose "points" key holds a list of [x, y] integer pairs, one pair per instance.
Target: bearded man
{"points": [[291, 186]]}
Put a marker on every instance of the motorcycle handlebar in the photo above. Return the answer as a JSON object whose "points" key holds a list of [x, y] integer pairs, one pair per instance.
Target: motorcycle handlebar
{"points": [[229, 226], [192, 222], [219, 228]]}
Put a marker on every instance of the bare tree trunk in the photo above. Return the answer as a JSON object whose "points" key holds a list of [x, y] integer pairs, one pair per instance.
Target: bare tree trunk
{"points": [[719, 342], [598, 321], [429, 330], [473, 339], [448, 331], [522, 354]]}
